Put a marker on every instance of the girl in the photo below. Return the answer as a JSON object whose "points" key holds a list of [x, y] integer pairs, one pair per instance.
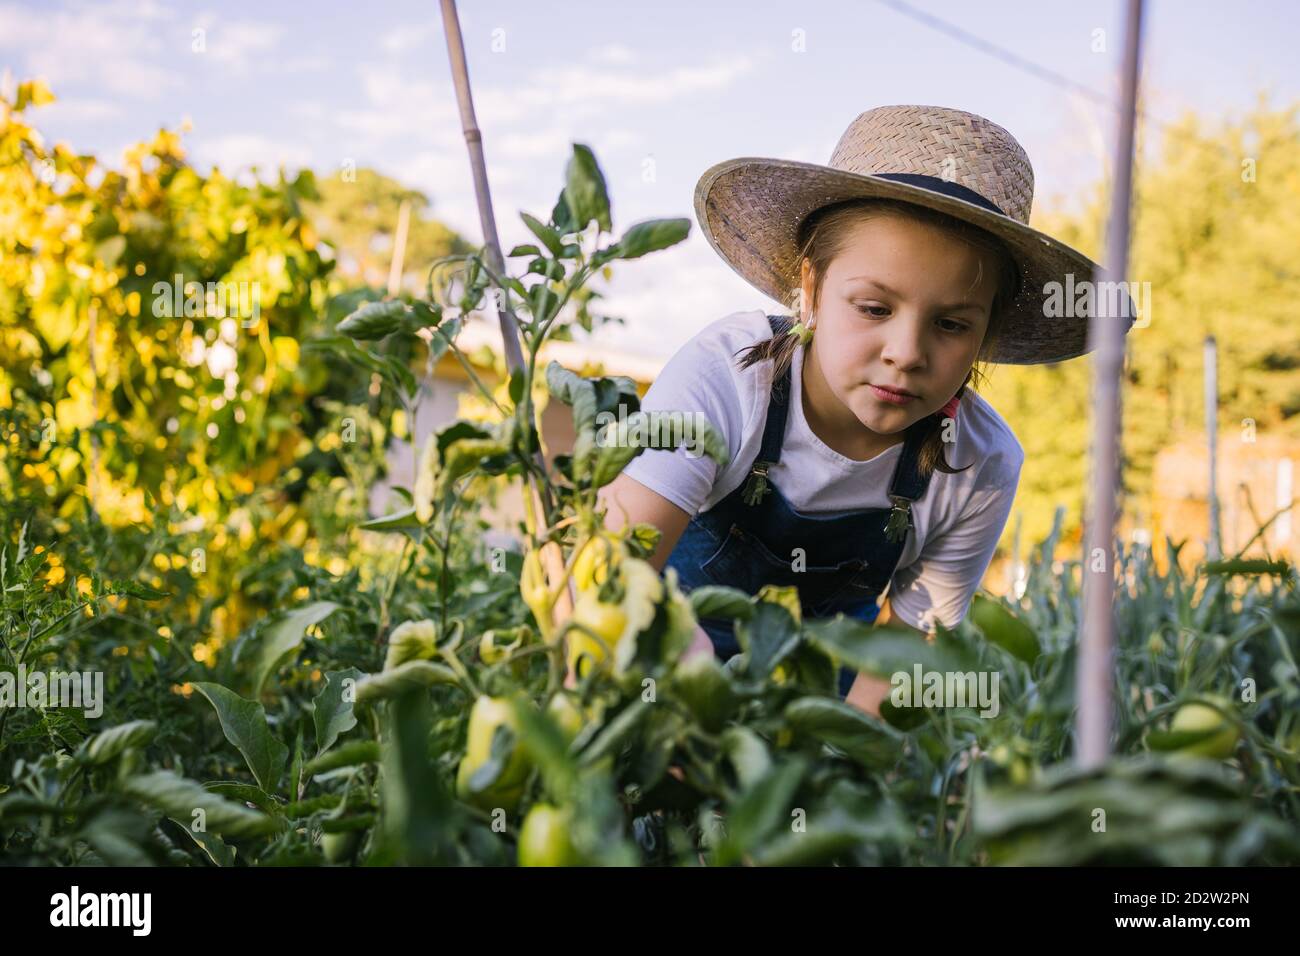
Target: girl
{"points": [[860, 457]]}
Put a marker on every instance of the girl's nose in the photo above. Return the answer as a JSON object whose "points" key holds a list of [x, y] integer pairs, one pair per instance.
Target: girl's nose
{"points": [[904, 345]]}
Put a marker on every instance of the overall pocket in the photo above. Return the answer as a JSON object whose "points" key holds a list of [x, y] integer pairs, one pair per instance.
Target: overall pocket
{"points": [[744, 561]]}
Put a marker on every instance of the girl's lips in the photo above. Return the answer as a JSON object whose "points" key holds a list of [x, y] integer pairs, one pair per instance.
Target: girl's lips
{"points": [[894, 398]]}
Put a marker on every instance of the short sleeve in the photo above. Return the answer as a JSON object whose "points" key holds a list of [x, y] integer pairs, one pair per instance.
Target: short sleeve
{"points": [[694, 381], [940, 584]]}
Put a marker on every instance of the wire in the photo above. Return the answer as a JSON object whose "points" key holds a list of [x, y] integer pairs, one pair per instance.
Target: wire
{"points": [[997, 52], [1028, 66]]}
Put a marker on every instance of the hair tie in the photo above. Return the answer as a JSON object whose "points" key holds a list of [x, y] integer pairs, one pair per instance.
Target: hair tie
{"points": [[801, 332], [949, 409]]}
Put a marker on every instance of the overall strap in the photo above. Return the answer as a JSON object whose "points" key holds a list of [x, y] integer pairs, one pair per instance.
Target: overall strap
{"points": [[773, 428], [905, 486]]}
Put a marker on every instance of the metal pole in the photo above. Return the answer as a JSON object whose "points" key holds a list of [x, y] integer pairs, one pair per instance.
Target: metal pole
{"points": [[1094, 684], [1214, 544]]}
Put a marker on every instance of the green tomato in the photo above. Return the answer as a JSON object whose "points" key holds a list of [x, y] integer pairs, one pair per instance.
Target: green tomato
{"points": [[605, 621], [487, 714], [566, 713], [339, 847], [1194, 717], [544, 838]]}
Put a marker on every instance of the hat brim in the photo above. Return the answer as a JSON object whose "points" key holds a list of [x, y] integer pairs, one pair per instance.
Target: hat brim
{"points": [[750, 210]]}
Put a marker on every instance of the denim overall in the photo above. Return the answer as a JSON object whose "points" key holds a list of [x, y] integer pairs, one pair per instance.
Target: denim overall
{"points": [[849, 557]]}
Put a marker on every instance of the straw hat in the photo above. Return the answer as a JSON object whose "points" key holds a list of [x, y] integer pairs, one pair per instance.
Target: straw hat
{"points": [[949, 160]]}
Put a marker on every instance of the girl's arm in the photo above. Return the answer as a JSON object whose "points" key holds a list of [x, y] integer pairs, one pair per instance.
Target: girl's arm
{"points": [[868, 690], [627, 502]]}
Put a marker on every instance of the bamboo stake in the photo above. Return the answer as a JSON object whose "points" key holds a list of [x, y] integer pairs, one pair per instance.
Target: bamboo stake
{"points": [[551, 555], [399, 248], [1094, 683]]}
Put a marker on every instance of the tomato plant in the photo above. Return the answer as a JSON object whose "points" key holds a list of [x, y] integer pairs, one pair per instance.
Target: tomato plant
{"points": [[430, 700]]}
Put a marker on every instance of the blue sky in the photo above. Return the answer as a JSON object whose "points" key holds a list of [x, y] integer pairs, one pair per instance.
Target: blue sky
{"points": [[669, 86]]}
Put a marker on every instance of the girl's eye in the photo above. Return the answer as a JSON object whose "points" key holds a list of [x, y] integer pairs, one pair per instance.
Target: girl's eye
{"points": [[873, 310], [957, 327]]}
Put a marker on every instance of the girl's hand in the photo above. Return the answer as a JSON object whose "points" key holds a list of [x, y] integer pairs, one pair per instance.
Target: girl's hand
{"points": [[701, 644], [867, 692]]}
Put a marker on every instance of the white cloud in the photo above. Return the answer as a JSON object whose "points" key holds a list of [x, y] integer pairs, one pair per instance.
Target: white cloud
{"points": [[116, 47], [397, 107], [700, 289], [238, 46], [586, 89], [613, 53], [80, 111], [411, 36]]}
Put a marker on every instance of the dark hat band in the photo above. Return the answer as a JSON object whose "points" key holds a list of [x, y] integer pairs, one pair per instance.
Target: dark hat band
{"points": [[936, 185]]}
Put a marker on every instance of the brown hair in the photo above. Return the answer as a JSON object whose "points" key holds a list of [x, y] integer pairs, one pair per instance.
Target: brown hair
{"points": [[825, 234]]}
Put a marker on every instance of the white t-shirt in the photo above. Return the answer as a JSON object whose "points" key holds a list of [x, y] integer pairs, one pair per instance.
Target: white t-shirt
{"points": [[958, 520]]}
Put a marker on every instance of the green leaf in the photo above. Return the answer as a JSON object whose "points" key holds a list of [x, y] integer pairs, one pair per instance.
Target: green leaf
{"points": [[107, 744], [624, 438], [137, 590], [333, 707], [424, 315], [373, 320], [1004, 629], [716, 601], [404, 520], [523, 251], [463, 457], [542, 301], [761, 809], [562, 216], [871, 742], [652, 236], [847, 818], [179, 798], [244, 724], [767, 638], [584, 190], [284, 637], [243, 793], [443, 336], [401, 680], [575, 391], [706, 688], [747, 752], [880, 649], [212, 845], [550, 238], [617, 732], [417, 804]]}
